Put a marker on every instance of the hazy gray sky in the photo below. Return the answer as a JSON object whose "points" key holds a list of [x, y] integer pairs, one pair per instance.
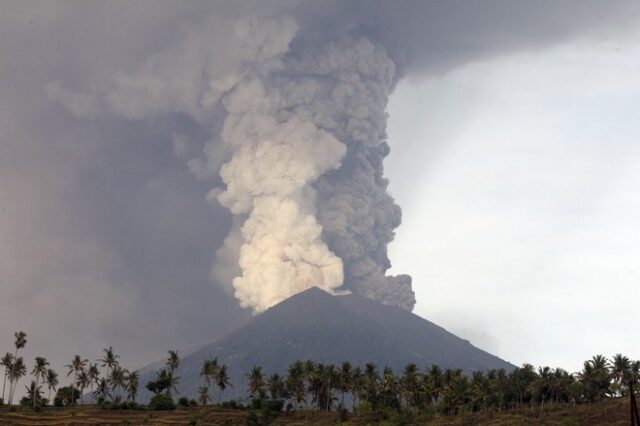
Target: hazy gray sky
{"points": [[522, 233], [513, 144]]}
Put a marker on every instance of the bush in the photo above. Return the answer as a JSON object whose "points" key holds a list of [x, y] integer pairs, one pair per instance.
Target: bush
{"points": [[1, 402], [193, 403], [58, 402], [183, 401], [162, 401], [273, 405]]}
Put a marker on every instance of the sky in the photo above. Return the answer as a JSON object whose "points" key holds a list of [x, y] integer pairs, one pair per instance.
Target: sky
{"points": [[522, 232], [513, 144]]}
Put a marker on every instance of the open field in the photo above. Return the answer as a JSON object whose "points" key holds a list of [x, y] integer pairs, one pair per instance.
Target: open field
{"points": [[612, 412]]}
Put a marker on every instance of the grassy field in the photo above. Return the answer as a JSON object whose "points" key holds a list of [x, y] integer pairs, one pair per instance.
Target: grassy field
{"points": [[613, 412]]}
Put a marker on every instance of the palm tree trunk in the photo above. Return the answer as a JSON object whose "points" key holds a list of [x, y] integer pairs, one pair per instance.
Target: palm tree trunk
{"points": [[35, 392], [4, 384]]}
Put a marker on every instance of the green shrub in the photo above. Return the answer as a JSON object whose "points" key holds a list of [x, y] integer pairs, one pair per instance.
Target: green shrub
{"points": [[162, 401], [183, 401]]}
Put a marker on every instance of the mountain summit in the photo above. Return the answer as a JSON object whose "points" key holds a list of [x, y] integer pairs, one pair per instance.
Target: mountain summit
{"points": [[331, 329]]}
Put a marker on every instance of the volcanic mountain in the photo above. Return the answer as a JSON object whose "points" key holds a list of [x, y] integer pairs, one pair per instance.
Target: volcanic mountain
{"points": [[330, 329]]}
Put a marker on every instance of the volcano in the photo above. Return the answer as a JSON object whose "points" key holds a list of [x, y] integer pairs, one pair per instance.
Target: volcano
{"points": [[330, 329]]}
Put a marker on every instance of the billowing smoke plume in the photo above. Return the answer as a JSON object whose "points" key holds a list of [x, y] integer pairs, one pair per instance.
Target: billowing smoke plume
{"points": [[306, 131], [298, 136]]}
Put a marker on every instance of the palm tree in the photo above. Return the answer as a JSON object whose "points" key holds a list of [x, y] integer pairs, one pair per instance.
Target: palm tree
{"points": [[17, 370], [345, 380], [371, 380], [203, 395], [6, 362], [52, 381], [388, 388], [133, 381], [295, 382], [39, 371], [33, 392], [256, 382], [357, 384], [102, 390], [117, 378], [209, 370], [77, 365], [222, 380], [173, 362], [83, 381], [275, 384], [21, 341], [110, 359], [93, 373], [434, 381], [410, 384]]}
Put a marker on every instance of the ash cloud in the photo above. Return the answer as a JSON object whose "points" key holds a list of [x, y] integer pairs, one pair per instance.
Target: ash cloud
{"points": [[292, 97], [92, 94]]}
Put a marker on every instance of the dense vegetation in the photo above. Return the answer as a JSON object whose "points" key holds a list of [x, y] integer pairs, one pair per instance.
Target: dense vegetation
{"points": [[372, 392]]}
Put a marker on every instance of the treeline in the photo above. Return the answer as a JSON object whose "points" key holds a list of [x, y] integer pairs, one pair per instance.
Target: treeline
{"points": [[369, 389]]}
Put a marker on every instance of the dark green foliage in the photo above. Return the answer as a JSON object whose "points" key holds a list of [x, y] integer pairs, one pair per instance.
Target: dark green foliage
{"points": [[163, 382], [162, 401], [67, 395], [183, 401]]}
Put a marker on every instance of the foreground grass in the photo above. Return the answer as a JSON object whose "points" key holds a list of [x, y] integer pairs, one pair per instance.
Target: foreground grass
{"points": [[611, 412]]}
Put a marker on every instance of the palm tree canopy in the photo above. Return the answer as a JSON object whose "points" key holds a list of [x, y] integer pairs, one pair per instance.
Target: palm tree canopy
{"points": [[21, 339]]}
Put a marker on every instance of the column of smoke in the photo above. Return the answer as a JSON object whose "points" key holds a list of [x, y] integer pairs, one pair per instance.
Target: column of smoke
{"points": [[297, 127], [305, 128]]}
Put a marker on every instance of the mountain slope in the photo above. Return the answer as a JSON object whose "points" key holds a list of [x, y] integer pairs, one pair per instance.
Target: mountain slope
{"points": [[331, 329]]}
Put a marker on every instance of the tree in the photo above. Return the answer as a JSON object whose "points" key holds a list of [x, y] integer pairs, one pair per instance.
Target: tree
{"points": [[68, 395], [39, 372], [6, 361], [256, 383], [52, 381], [117, 378], [16, 371], [93, 373], [410, 385], [133, 380], [161, 383], [389, 389], [203, 395], [110, 359], [33, 395], [371, 381], [173, 361], [77, 365], [82, 382], [20, 342], [222, 380], [276, 386], [345, 380], [295, 382], [357, 384], [102, 390]]}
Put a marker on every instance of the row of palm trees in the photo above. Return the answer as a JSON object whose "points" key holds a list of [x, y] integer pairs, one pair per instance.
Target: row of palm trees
{"points": [[449, 391], [325, 386], [86, 375]]}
